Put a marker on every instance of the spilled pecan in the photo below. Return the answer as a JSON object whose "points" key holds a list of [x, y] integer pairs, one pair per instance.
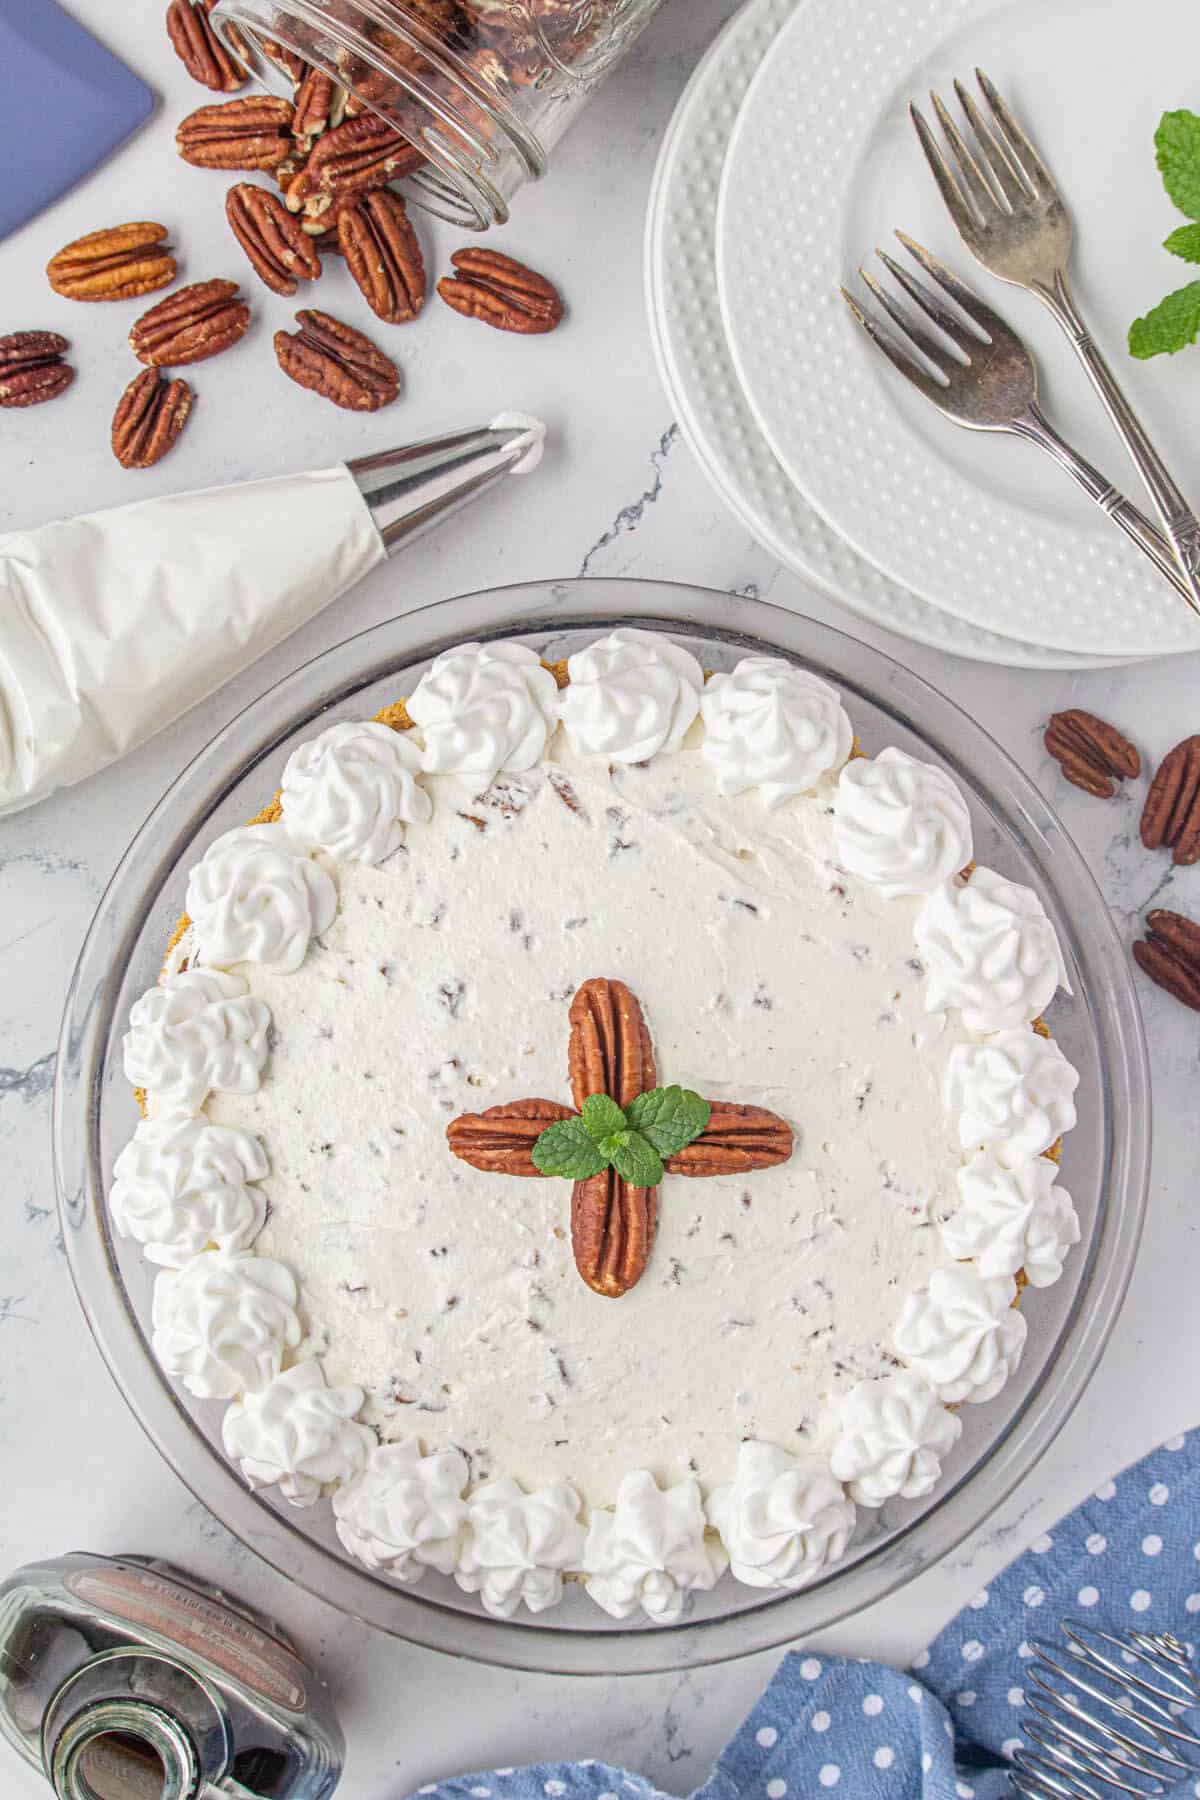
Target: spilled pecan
{"points": [[199, 48], [383, 255], [150, 415], [500, 1140], [1170, 955], [32, 369], [320, 105], [338, 362], [1171, 815], [119, 263], [501, 292], [251, 133], [187, 327], [1093, 755], [356, 156], [280, 253]]}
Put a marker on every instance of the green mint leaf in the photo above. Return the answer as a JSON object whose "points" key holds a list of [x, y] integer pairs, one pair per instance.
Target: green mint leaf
{"points": [[669, 1117], [1177, 145], [1172, 324], [1185, 242], [602, 1116], [635, 1158], [568, 1148]]}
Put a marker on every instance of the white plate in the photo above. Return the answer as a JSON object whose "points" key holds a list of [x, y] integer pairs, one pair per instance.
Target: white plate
{"points": [[698, 373], [823, 164]]}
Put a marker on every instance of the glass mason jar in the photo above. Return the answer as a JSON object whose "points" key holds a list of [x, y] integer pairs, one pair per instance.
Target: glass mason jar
{"points": [[483, 89], [123, 1679]]}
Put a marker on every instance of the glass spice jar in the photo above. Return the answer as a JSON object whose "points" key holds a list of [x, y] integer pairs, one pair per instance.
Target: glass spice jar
{"points": [[483, 89]]}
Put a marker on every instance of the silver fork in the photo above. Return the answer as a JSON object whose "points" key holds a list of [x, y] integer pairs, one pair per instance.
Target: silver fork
{"points": [[981, 375], [1012, 218]]}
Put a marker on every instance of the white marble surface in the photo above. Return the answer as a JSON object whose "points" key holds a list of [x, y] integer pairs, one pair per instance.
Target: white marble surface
{"points": [[618, 495]]}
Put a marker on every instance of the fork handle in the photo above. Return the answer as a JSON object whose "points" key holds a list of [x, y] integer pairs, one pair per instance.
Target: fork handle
{"points": [[1179, 521], [1037, 429]]}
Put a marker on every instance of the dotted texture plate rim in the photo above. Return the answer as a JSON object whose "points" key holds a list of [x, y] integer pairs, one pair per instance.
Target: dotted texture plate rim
{"points": [[801, 136]]}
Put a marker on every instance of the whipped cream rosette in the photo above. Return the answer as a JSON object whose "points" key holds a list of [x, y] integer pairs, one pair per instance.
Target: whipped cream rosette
{"points": [[525, 914]]}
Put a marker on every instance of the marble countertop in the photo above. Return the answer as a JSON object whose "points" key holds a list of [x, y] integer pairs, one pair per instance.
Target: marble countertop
{"points": [[618, 495]]}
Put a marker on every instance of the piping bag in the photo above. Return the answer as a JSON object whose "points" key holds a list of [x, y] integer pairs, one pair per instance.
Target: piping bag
{"points": [[115, 623]]}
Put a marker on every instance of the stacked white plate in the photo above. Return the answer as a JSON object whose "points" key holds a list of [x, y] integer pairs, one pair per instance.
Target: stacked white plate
{"points": [[789, 158]]}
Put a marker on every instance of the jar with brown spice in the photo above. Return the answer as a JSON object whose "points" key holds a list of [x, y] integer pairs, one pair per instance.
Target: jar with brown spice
{"points": [[481, 89]]}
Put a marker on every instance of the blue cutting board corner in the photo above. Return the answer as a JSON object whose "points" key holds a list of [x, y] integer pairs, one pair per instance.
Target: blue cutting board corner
{"points": [[65, 104]]}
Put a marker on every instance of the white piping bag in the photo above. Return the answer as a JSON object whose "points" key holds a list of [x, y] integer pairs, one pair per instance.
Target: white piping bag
{"points": [[113, 624]]}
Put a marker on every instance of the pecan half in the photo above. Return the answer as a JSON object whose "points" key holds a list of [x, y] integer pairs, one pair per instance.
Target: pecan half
{"points": [[335, 360], [1170, 956], [32, 369], [501, 1139], [609, 1050], [291, 64], [320, 105], [199, 48], [355, 157], [501, 292], [198, 322], [251, 133], [150, 415], [119, 263], [383, 255], [1093, 755], [612, 1232], [1171, 815], [736, 1139], [280, 253]]}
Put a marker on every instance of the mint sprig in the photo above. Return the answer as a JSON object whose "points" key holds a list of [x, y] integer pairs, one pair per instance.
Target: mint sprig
{"points": [[1175, 321], [634, 1140]]}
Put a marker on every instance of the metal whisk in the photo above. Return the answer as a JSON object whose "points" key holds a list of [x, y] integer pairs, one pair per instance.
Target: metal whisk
{"points": [[1103, 1717]]}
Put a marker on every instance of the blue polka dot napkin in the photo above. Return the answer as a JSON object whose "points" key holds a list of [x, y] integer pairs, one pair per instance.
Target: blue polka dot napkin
{"points": [[1129, 1557]]}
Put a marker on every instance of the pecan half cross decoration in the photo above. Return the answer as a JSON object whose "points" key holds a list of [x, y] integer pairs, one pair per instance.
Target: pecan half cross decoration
{"points": [[612, 1222]]}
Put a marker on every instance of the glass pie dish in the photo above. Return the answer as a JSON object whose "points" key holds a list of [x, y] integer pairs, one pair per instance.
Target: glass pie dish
{"points": [[1105, 1162]]}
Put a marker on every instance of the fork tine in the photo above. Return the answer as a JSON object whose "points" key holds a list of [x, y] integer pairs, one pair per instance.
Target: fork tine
{"points": [[899, 359], [960, 335], [948, 187], [1005, 171], [1022, 149], [988, 321], [910, 328], [985, 201]]}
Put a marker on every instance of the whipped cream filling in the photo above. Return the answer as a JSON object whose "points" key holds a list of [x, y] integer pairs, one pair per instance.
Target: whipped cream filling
{"points": [[800, 1331], [442, 987]]}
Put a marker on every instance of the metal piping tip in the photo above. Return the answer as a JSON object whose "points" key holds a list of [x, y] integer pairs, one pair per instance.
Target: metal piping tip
{"points": [[414, 487]]}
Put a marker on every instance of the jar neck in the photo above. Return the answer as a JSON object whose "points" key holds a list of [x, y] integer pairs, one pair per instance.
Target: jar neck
{"points": [[124, 1750]]}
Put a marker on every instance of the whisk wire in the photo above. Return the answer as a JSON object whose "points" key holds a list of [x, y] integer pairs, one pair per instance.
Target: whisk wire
{"points": [[1103, 1717]]}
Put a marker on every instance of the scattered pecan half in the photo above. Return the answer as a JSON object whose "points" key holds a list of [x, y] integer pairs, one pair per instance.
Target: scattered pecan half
{"points": [[382, 253], [32, 369], [337, 361], [281, 254], [252, 133], [500, 1140], [1170, 956], [1093, 755], [199, 48], [735, 1140], [355, 157], [1171, 815], [119, 263], [320, 105], [150, 415], [501, 292], [198, 322], [612, 1232]]}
